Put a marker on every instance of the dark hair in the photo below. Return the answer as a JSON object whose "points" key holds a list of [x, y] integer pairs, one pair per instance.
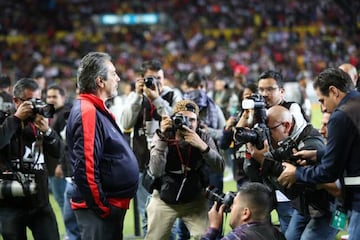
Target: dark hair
{"points": [[153, 65], [92, 66], [259, 197], [333, 77], [38, 74], [195, 79], [252, 86], [57, 87], [4, 81], [273, 74], [22, 84]]}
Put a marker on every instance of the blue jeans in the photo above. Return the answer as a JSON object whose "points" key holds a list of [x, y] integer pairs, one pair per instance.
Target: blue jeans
{"points": [[181, 229], [301, 227], [57, 186], [142, 197], [354, 228], [41, 221], [71, 226], [284, 211]]}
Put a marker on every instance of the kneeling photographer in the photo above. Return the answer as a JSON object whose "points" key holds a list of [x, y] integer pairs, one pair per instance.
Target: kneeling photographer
{"points": [[181, 157], [249, 217], [311, 205], [25, 139]]}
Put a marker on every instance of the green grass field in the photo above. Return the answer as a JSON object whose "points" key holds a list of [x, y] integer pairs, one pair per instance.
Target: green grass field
{"points": [[129, 231]]}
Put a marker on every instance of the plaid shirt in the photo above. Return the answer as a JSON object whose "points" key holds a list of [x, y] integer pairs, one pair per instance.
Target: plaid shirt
{"points": [[248, 231]]}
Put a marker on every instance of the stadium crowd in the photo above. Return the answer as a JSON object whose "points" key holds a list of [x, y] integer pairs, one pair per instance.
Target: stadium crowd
{"points": [[203, 58], [291, 36]]}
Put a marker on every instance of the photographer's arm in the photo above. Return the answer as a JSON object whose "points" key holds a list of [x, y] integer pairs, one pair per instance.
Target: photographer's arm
{"points": [[53, 145], [131, 110], [159, 149], [207, 147], [9, 126], [216, 221], [216, 133], [158, 153], [8, 129], [133, 107]]}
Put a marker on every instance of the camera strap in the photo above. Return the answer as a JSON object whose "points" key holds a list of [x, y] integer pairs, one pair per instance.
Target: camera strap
{"points": [[184, 167]]}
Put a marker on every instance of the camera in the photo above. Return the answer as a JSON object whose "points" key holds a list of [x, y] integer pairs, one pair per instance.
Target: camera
{"points": [[257, 102], [284, 152], [179, 120], [257, 135], [42, 108], [150, 82], [260, 131], [213, 194], [16, 185]]}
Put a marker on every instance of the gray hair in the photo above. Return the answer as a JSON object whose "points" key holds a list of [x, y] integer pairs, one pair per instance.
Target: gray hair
{"points": [[91, 67], [22, 84]]}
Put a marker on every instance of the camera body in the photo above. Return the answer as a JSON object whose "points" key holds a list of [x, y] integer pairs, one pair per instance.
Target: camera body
{"points": [[257, 135], [260, 131], [151, 82], [213, 194], [179, 120], [16, 185], [284, 152], [42, 108]]}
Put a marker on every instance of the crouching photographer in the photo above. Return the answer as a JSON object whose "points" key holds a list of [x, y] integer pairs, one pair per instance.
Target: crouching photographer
{"points": [[311, 215], [25, 139], [249, 214], [181, 157]]}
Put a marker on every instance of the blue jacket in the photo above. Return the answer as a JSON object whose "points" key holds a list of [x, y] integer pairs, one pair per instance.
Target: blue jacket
{"points": [[106, 172], [342, 153]]}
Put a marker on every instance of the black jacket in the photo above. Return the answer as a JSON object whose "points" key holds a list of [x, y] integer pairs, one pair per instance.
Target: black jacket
{"points": [[22, 149]]}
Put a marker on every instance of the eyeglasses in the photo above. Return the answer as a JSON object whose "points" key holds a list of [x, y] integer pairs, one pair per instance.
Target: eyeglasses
{"points": [[272, 128], [23, 100], [268, 89]]}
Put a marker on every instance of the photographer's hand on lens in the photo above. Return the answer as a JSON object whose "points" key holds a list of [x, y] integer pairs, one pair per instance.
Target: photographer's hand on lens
{"points": [[216, 216], [243, 119], [41, 123], [287, 177], [258, 154], [191, 137], [24, 110], [309, 155], [230, 123], [152, 94], [165, 124], [139, 86]]}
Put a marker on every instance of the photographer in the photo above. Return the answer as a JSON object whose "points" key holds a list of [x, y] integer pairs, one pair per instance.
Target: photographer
{"points": [[180, 155], [340, 158], [143, 111], [311, 205], [25, 139], [249, 216]]}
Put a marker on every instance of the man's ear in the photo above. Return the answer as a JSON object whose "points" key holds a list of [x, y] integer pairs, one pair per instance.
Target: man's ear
{"points": [[334, 91], [99, 82], [246, 214]]}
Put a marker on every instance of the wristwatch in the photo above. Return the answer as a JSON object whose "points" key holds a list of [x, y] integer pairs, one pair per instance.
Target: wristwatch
{"points": [[48, 132]]}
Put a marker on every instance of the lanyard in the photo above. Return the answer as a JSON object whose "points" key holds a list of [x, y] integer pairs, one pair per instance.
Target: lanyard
{"points": [[183, 164]]}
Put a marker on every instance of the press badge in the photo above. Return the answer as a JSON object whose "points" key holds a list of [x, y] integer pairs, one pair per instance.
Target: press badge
{"points": [[338, 220]]}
